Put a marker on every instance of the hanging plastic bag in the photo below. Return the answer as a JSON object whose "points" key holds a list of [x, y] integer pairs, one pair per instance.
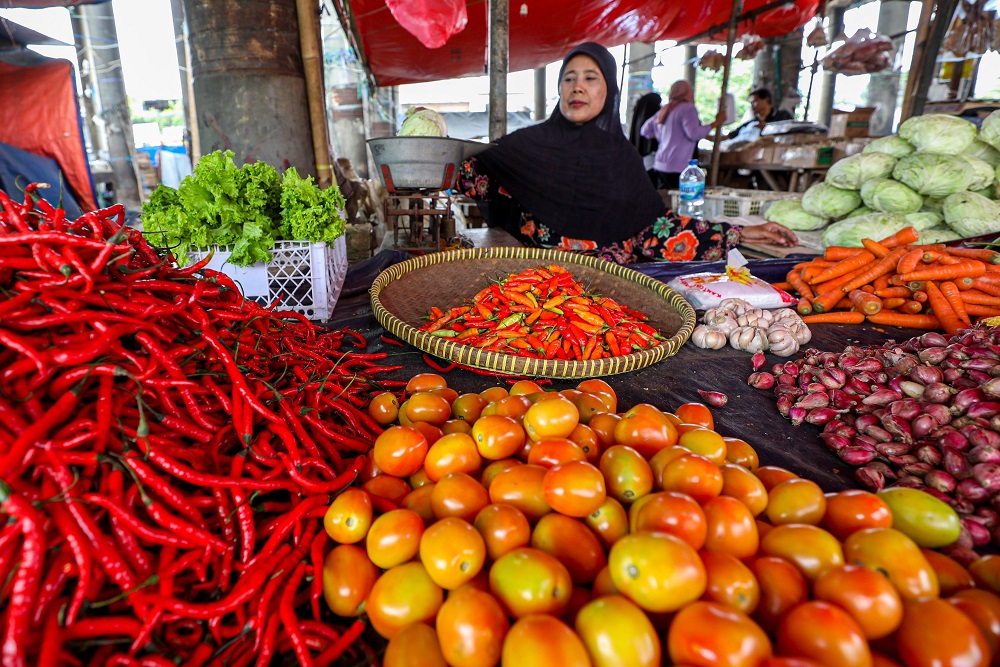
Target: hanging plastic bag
{"points": [[433, 22]]}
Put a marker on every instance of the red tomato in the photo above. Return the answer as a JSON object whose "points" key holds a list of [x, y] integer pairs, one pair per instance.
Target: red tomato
{"points": [[781, 661], [419, 500], [570, 541], [895, 555], [586, 438], [575, 488], [659, 572], [705, 634], [617, 632], [741, 453], [985, 616], [403, 595], [348, 577], [471, 626], [530, 581], [425, 382], [503, 527], [540, 640], [705, 442], [452, 551], [811, 549], [389, 487], [427, 407], [771, 476], [468, 407], [552, 418], [394, 538], [609, 522], [694, 475], [825, 633], [951, 575], [796, 501], [626, 472], [400, 451], [454, 452], [497, 437], [986, 572], [599, 387], [646, 429], [866, 595], [730, 527], [416, 645], [384, 408], [782, 587], [349, 516], [550, 452], [695, 413], [522, 487], [603, 425], [854, 509], [494, 468], [740, 483], [935, 633], [730, 582], [674, 513], [459, 495]]}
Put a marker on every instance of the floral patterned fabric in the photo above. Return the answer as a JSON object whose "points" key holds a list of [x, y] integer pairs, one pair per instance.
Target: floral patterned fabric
{"points": [[672, 238]]}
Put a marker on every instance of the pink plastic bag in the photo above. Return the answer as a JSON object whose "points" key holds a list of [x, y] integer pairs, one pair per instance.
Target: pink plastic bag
{"points": [[433, 22]]}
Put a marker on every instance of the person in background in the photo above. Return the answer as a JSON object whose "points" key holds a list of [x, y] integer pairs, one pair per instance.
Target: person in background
{"points": [[645, 108], [575, 183], [678, 131], [764, 112]]}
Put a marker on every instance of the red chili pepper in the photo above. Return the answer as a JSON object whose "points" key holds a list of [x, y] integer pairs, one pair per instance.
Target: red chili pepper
{"points": [[24, 589]]}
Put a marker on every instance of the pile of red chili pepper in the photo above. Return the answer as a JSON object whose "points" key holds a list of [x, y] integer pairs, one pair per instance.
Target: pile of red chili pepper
{"points": [[167, 451], [544, 313]]}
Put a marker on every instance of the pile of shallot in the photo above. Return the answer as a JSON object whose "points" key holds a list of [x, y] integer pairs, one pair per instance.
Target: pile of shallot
{"points": [[924, 413]]}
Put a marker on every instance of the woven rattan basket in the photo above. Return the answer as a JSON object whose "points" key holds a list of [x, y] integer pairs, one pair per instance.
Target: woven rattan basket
{"points": [[403, 294]]}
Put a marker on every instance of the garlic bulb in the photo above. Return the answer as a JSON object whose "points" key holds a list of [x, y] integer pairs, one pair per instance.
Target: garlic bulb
{"points": [[782, 341], [749, 339], [708, 338], [735, 306], [801, 332], [785, 315], [755, 318], [722, 322]]}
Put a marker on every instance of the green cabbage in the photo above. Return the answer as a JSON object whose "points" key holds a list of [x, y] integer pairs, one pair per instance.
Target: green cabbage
{"points": [[789, 212], [854, 171], [933, 204], [970, 214], [938, 133], [861, 210], [990, 130], [849, 232], [893, 145], [983, 174], [983, 151], [889, 196], [934, 174], [423, 122], [938, 235], [829, 202], [922, 220]]}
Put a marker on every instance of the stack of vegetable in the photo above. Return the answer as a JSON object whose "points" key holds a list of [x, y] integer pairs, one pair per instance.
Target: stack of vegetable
{"points": [[246, 208], [938, 174]]}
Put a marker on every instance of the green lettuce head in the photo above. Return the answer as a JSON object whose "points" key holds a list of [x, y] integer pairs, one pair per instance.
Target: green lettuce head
{"points": [[934, 174], [849, 232], [889, 196], [893, 145], [828, 201], [922, 220], [852, 172], [938, 133], [983, 173], [938, 235], [983, 151], [990, 130], [789, 212], [423, 122], [970, 214]]}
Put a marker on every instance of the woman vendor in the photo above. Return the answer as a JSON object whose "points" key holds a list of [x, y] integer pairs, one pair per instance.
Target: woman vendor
{"points": [[575, 182]]}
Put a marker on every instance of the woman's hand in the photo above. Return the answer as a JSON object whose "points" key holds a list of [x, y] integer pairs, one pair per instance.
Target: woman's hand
{"points": [[770, 232], [720, 120]]}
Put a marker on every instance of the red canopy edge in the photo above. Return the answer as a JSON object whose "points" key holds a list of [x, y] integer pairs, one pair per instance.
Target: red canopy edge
{"points": [[548, 30]]}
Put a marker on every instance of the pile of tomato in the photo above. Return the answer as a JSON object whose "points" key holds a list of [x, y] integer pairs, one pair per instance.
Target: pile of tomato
{"points": [[523, 527]]}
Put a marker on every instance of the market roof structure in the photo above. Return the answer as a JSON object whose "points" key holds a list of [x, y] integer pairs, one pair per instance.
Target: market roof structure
{"points": [[542, 31]]}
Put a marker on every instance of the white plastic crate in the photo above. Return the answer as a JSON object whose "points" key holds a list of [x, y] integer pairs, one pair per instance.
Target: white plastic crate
{"points": [[303, 277], [736, 203]]}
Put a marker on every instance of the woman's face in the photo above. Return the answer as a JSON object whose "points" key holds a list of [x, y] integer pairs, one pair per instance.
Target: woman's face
{"points": [[582, 90]]}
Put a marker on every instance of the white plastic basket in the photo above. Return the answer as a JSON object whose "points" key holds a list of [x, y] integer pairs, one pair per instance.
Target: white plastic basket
{"points": [[736, 203], [303, 277]]}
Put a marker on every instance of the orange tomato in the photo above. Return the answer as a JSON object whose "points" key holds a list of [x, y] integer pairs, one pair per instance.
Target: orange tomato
{"points": [[458, 495], [782, 587], [796, 501], [854, 509], [452, 551], [617, 632], [695, 413], [673, 513], [744, 486], [511, 406], [389, 487], [951, 575], [580, 596], [394, 538], [540, 640], [603, 425], [550, 452], [662, 459], [986, 618], [570, 541], [400, 450], [740, 452], [348, 577], [811, 549], [782, 661], [771, 476], [384, 408], [454, 452], [525, 388], [471, 626], [694, 475], [575, 488], [447, 393], [866, 595], [530, 581], [706, 443], [825, 633], [730, 527], [416, 645], [659, 572], [425, 382], [609, 522], [601, 388], [419, 500], [555, 417], [468, 407], [430, 431], [587, 440], [503, 527], [588, 405], [349, 516], [730, 582], [705, 634], [934, 632], [427, 407], [603, 584], [523, 487], [626, 473], [895, 555], [497, 437], [645, 429], [403, 595], [456, 426], [418, 479], [494, 394], [985, 571], [494, 469]]}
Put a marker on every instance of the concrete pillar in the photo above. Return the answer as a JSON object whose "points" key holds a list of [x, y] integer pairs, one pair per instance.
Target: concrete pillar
{"points": [[499, 61], [777, 67], [343, 76], [249, 85], [640, 81], [103, 36], [187, 90], [539, 93], [691, 64], [883, 87], [824, 104], [90, 93]]}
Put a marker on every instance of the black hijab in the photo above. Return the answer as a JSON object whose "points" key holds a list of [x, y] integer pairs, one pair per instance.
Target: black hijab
{"points": [[582, 181], [645, 108]]}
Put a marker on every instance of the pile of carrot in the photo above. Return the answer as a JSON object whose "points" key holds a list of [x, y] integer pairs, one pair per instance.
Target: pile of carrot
{"points": [[897, 282]]}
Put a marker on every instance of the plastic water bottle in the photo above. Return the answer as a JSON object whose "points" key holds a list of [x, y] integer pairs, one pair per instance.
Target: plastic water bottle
{"points": [[692, 187]]}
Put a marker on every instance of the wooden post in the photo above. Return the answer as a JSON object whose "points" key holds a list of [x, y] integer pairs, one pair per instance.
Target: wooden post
{"points": [[312, 65], [734, 19], [499, 26]]}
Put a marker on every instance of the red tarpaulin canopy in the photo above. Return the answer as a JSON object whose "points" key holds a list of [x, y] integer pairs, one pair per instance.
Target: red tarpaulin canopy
{"points": [[547, 31]]}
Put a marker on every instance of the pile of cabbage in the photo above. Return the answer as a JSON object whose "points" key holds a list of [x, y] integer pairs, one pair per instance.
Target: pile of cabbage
{"points": [[938, 174]]}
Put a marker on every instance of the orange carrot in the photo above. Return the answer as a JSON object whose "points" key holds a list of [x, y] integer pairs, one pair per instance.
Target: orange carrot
{"points": [[837, 282], [916, 285], [950, 292], [988, 277], [902, 237], [786, 286], [869, 304], [893, 303], [810, 272], [982, 254], [844, 304], [804, 306], [911, 306], [983, 286], [836, 253], [880, 268], [842, 317], [908, 262], [882, 282], [800, 285], [920, 295], [875, 248], [891, 292], [975, 296], [844, 266], [826, 301], [975, 310], [905, 320], [942, 309], [965, 283], [972, 268], [815, 261]]}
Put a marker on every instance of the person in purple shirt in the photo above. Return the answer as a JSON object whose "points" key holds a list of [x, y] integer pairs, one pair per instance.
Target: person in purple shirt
{"points": [[677, 129]]}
